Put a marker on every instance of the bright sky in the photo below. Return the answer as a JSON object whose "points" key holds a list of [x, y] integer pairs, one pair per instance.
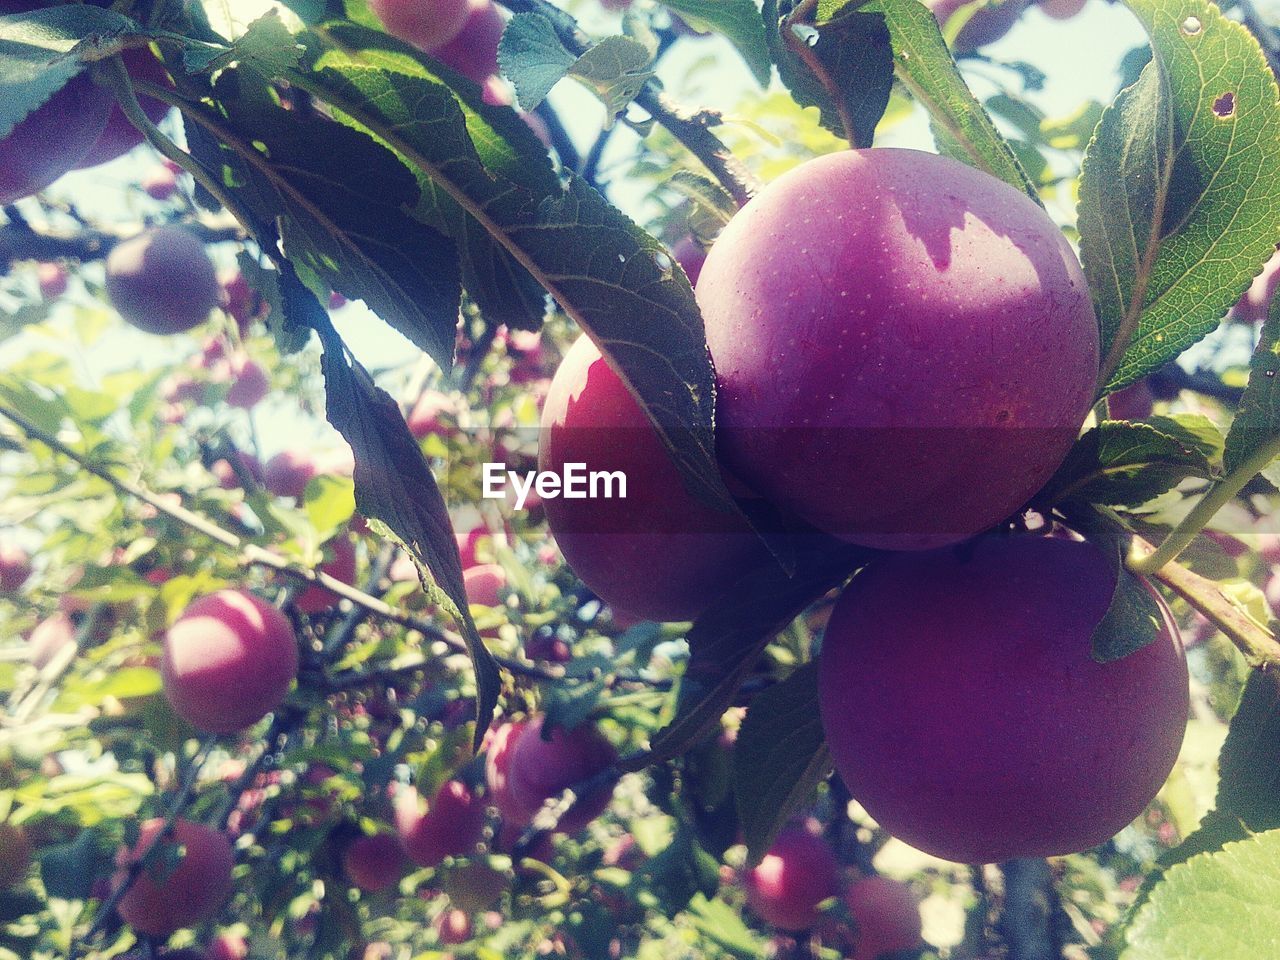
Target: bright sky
{"points": [[1079, 56]]}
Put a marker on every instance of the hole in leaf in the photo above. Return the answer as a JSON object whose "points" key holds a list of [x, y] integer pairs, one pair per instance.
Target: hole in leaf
{"points": [[1225, 105], [1191, 26]]}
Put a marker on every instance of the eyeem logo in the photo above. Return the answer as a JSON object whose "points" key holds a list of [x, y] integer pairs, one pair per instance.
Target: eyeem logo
{"points": [[575, 483]]}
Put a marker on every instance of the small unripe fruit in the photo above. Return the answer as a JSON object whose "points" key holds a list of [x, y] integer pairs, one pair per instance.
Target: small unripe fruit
{"points": [[659, 553], [453, 927], [15, 568], [541, 769], [341, 565], [426, 24], [52, 280], [288, 472], [886, 917], [374, 863], [162, 281], [228, 661], [1062, 9], [49, 637], [227, 946], [905, 323], [161, 901], [450, 826], [785, 888], [964, 709]]}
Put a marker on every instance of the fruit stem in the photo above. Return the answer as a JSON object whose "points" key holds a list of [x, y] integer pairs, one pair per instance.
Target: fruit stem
{"points": [[1195, 521]]}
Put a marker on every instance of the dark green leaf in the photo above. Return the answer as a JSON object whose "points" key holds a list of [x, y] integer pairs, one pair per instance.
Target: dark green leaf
{"points": [[1257, 422], [616, 69], [266, 46], [671, 879], [533, 58], [1249, 765], [727, 640], [1179, 193], [69, 870], [739, 21], [394, 485], [1125, 464], [41, 50], [779, 759]]}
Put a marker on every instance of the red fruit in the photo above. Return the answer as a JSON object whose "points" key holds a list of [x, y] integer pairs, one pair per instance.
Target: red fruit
{"points": [[341, 566], [162, 281], [251, 384], [467, 543], [287, 473], [659, 553], [160, 183], [228, 479], [228, 661], [1256, 302], [49, 637], [52, 280], [501, 741], [52, 138], [336, 300], [450, 826], [162, 901], [987, 24], [908, 324], [426, 415], [691, 256], [240, 301], [549, 647], [474, 51], [227, 946], [375, 862], [886, 917], [15, 568], [119, 135], [1062, 9], [541, 769], [453, 927], [425, 23], [15, 854], [1033, 748], [484, 584], [1134, 402], [796, 875]]}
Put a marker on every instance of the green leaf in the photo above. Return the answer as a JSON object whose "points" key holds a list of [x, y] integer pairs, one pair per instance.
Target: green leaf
{"points": [[922, 63], [394, 485], [739, 21], [726, 641], [724, 926], [1125, 464], [1257, 420], [1224, 905], [41, 50], [1249, 765], [69, 870], [1195, 430], [1180, 194], [1134, 618], [779, 759], [675, 876], [266, 46], [329, 502], [844, 67], [340, 213], [607, 274], [532, 55]]}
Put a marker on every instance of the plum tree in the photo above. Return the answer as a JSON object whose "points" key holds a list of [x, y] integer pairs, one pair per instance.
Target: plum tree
{"points": [[792, 879], [886, 917], [931, 388], [659, 553], [374, 862], [250, 383], [15, 854], [162, 281], [168, 895], [474, 51], [341, 565], [426, 24], [15, 568], [450, 825], [119, 135], [47, 142], [544, 767], [965, 712], [288, 472], [228, 661]]}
